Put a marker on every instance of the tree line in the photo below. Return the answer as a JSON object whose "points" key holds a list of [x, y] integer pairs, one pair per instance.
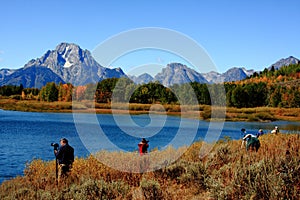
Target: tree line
{"points": [[275, 88]]}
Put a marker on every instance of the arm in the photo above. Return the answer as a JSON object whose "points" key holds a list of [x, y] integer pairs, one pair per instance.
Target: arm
{"points": [[59, 153], [242, 144]]}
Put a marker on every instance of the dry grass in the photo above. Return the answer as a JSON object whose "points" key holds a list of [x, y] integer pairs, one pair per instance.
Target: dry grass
{"points": [[228, 172], [191, 111]]}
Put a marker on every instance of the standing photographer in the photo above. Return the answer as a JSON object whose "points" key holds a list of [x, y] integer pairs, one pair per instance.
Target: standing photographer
{"points": [[143, 146], [65, 158]]}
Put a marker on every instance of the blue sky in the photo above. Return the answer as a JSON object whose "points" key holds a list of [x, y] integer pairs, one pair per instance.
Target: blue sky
{"points": [[253, 34]]}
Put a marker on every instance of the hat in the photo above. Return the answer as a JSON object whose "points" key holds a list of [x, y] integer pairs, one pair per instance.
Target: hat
{"points": [[144, 140], [260, 130]]}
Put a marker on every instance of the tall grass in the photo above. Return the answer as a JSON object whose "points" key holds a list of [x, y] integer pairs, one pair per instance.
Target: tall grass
{"points": [[190, 111], [228, 172]]}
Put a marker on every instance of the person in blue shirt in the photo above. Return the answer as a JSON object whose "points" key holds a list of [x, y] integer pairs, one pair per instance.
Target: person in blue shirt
{"points": [[260, 133], [243, 132]]}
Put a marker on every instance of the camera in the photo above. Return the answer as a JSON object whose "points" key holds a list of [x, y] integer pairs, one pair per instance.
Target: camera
{"points": [[55, 146]]}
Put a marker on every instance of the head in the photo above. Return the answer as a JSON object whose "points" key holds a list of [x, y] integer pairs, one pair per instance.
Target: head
{"points": [[243, 130], [144, 140], [260, 130], [63, 141]]}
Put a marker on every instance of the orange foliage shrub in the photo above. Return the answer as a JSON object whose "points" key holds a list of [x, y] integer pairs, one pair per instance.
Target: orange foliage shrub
{"points": [[227, 172]]}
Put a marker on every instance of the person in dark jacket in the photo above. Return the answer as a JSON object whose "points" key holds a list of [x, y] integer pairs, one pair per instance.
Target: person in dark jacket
{"points": [[65, 158]]}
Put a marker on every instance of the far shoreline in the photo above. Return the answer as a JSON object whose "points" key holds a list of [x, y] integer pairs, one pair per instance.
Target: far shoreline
{"points": [[201, 112]]}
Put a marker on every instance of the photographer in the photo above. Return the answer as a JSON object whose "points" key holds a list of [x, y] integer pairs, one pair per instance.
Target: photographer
{"points": [[65, 158], [143, 146]]}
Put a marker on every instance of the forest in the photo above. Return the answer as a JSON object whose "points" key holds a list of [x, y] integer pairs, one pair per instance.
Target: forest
{"points": [[270, 87]]}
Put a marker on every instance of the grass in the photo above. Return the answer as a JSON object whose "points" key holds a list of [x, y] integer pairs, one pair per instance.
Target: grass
{"points": [[227, 172], [261, 114]]}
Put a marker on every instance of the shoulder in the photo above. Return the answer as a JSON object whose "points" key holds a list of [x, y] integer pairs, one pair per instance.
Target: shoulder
{"points": [[69, 147]]}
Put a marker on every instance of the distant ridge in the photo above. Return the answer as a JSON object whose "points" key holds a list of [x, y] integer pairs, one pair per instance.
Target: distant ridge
{"points": [[233, 74], [177, 73], [285, 62], [141, 79]]}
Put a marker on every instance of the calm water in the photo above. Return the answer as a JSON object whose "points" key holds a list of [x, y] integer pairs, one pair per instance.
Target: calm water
{"points": [[26, 136]]}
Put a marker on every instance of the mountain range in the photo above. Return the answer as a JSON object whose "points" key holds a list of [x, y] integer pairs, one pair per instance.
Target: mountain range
{"points": [[68, 63]]}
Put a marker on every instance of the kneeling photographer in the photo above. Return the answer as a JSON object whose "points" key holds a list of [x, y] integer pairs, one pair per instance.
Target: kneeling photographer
{"points": [[65, 157]]}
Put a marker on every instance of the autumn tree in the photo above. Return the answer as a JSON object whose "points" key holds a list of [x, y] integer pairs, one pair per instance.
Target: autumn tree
{"points": [[65, 92], [79, 92], [49, 92]]}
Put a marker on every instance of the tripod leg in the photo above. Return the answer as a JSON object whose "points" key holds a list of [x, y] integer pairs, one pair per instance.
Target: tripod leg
{"points": [[56, 171]]}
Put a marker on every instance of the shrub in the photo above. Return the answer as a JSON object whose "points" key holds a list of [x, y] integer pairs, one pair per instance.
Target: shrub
{"points": [[196, 176], [228, 172], [151, 189], [172, 172], [265, 116], [96, 189]]}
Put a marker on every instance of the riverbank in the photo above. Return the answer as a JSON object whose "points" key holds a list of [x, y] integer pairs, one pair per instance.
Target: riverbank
{"points": [[227, 172], [203, 112]]}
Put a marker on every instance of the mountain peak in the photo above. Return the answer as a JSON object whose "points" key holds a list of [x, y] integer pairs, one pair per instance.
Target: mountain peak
{"points": [[67, 63], [176, 65], [177, 73], [64, 44], [285, 62], [142, 79], [62, 47]]}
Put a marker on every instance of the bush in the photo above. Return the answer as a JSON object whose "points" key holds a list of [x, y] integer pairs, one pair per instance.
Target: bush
{"points": [[97, 189], [151, 189], [228, 172], [16, 97], [265, 116], [196, 176]]}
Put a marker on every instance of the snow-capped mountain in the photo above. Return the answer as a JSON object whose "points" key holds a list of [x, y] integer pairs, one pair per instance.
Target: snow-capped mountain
{"points": [[69, 62], [5, 72]]}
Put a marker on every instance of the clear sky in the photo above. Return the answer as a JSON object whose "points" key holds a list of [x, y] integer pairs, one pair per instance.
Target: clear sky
{"points": [[252, 34]]}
